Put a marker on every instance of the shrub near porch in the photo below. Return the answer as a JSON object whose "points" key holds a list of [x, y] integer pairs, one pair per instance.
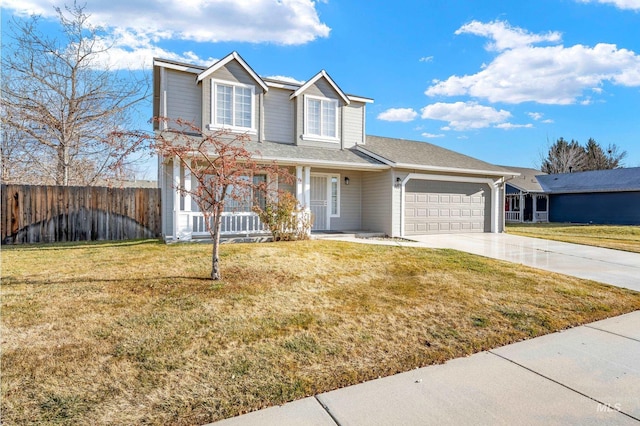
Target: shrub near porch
{"points": [[137, 333]]}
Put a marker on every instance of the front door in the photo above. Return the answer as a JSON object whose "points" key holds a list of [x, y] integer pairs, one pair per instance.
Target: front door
{"points": [[319, 203]]}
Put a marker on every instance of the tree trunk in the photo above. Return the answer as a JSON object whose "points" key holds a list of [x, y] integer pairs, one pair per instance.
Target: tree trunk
{"points": [[215, 255], [215, 260]]}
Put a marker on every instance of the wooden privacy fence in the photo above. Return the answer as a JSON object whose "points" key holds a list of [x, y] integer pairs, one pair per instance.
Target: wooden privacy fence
{"points": [[43, 214]]}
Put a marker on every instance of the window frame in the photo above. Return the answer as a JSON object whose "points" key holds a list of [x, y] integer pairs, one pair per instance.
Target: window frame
{"points": [[214, 111], [320, 137]]}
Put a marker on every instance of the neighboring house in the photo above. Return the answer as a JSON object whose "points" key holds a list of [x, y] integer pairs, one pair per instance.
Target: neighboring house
{"points": [[525, 200], [600, 197], [348, 180]]}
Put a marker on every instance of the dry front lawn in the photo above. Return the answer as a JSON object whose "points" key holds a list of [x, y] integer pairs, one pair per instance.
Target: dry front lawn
{"points": [[625, 238], [133, 332]]}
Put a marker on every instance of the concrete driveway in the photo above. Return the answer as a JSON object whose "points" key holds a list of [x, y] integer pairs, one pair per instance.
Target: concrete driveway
{"points": [[607, 266]]}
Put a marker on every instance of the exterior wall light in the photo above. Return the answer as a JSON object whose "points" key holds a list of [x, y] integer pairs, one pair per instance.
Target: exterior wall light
{"points": [[346, 180]]}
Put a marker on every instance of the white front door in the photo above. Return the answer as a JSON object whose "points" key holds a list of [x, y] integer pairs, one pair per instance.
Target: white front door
{"points": [[319, 203]]}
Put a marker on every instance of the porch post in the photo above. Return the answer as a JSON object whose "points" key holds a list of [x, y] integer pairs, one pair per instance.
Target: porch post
{"points": [[521, 207], [307, 187], [176, 195], [548, 208], [535, 207], [187, 187], [299, 193]]}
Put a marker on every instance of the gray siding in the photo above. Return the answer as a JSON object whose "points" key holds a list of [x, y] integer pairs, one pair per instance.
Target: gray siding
{"points": [[376, 201], [279, 116], [183, 97], [166, 186], [353, 124], [324, 89]]}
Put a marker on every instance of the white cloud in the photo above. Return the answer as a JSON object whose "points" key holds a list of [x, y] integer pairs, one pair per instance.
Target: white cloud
{"points": [[535, 115], [505, 36], [398, 114], [286, 79], [465, 115], [287, 22], [547, 121], [620, 4], [432, 135], [426, 59], [511, 126], [555, 74]]}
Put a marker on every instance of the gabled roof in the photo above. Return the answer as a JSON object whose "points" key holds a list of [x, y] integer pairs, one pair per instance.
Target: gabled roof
{"points": [[224, 61], [424, 156], [616, 180], [527, 181], [312, 81]]}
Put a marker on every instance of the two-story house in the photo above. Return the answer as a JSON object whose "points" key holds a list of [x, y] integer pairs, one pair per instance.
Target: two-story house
{"points": [[348, 180]]}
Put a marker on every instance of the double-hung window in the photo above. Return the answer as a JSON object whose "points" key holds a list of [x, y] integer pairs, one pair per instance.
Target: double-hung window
{"points": [[321, 118], [232, 106]]}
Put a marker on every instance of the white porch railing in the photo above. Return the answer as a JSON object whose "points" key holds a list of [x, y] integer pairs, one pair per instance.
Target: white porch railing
{"points": [[233, 223], [542, 216], [512, 216]]}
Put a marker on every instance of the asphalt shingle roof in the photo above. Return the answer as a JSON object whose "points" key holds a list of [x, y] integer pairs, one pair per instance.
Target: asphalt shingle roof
{"points": [[301, 154], [615, 180], [527, 181], [423, 155]]}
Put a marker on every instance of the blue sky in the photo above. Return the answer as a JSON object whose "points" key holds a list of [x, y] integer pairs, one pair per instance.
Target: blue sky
{"points": [[496, 80]]}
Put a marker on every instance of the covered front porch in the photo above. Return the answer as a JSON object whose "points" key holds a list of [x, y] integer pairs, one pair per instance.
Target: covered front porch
{"points": [[330, 197], [523, 207]]}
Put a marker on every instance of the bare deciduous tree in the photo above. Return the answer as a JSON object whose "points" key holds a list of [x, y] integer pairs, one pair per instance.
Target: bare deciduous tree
{"points": [[60, 101], [567, 157], [221, 168], [564, 157]]}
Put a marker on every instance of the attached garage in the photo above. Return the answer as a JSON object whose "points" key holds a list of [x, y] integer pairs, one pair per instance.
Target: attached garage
{"points": [[433, 207]]}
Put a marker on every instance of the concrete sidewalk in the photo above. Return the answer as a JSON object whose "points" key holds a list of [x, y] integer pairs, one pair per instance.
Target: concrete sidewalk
{"points": [[588, 375], [585, 375]]}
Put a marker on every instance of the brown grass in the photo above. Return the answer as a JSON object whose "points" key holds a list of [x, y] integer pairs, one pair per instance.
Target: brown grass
{"points": [[615, 237], [127, 333]]}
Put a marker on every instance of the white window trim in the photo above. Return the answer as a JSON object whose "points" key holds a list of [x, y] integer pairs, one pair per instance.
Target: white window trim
{"points": [[239, 129], [309, 136]]}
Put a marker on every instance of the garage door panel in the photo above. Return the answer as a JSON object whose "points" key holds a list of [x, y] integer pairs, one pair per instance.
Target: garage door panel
{"points": [[446, 207]]}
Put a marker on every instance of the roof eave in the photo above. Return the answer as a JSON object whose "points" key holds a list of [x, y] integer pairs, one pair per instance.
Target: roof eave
{"points": [[322, 163], [230, 57], [452, 170], [310, 82]]}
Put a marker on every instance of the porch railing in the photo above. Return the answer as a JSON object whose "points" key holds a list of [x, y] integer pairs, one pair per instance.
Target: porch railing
{"points": [[542, 216], [233, 223], [512, 216]]}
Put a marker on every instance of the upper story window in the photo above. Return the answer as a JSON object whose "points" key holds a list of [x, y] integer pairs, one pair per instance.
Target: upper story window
{"points": [[232, 106], [321, 118]]}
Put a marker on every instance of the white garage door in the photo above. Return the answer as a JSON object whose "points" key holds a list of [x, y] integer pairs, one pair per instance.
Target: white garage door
{"points": [[433, 207]]}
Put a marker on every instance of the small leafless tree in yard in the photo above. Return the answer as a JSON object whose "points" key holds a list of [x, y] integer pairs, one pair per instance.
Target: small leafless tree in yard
{"points": [[221, 169], [60, 101]]}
